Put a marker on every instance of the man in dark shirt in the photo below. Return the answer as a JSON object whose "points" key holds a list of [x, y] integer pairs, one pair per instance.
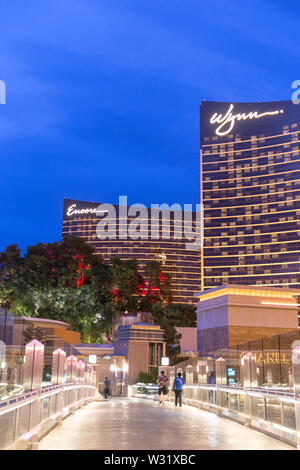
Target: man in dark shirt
{"points": [[106, 388], [162, 387]]}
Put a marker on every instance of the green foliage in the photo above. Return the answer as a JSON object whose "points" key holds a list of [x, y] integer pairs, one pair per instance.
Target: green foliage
{"points": [[183, 315], [169, 317], [62, 281], [145, 378], [10, 270], [66, 281], [125, 278]]}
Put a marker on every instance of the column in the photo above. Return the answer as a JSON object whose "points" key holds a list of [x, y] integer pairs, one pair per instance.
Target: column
{"points": [[202, 372], [221, 379], [202, 380], [296, 379], [189, 371], [80, 371], [250, 380], [71, 366], [33, 367], [58, 366], [171, 377], [58, 378], [33, 372]]}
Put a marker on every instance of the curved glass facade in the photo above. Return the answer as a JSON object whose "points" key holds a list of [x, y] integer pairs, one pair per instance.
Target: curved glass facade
{"points": [[250, 188]]}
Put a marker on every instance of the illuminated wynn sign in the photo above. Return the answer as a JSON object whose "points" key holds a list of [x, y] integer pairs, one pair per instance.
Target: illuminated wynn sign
{"points": [[227, 121]]}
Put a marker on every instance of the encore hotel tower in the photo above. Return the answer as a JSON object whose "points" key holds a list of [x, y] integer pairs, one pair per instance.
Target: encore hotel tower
{"points": [[181, 263], [250, 188]]}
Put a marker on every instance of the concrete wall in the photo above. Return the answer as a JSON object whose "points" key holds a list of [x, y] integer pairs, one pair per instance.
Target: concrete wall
{"points": [[137, 360], [188, 341]]}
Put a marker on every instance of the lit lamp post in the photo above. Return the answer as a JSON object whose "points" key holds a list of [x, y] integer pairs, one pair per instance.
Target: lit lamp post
{"points": [[96, 367], [165, 365], [165, 361]]}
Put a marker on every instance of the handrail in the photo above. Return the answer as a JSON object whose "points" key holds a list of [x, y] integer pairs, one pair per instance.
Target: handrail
{"points": [[214, 397], [62, 399]]}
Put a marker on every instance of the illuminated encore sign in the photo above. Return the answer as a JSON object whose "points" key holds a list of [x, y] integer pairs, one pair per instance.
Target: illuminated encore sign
{"points": [[227, 121], [73, 211]]}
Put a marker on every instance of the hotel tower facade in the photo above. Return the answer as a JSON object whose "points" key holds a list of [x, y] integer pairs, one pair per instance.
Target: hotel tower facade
{"points": [[177, 255], [250, 191]]}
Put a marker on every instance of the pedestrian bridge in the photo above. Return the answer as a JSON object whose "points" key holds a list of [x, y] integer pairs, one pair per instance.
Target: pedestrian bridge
{"points": [[127, 424], [69, 412]]}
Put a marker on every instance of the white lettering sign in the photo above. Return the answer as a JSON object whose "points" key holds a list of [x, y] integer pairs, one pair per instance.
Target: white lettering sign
{"points": [[227, 121], [73, 211]]}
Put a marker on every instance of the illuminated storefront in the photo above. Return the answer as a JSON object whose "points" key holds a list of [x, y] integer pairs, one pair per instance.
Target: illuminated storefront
{"points": [[250, 186]]}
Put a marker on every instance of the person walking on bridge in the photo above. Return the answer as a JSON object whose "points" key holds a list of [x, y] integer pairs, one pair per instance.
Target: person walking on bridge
{"points": [[162, 387], [106, 388], [178, 389]]}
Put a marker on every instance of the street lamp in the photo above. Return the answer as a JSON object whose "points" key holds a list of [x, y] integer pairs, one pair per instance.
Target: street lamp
{"points": [[165, 361], [92, 359]]}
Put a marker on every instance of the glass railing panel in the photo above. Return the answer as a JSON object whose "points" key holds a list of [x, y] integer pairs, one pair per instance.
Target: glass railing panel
{"points": [[7, 429], [233, 401], [289, 417], [53, 401], [23, 423], [211, 396], [257, 407], [242, 403], [273, 410], [45, 406], [225, 399], [199, 394]]}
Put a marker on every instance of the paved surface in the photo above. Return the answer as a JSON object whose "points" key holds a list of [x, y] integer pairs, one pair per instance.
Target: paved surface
{"points": [[121, 424]]}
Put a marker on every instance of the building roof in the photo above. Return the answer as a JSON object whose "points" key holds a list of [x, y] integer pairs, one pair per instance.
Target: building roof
{"points": [[92, 345], [139, 324], [45, 320], [237, 289]]}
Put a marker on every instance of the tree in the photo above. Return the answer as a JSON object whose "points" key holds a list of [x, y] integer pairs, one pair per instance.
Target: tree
{"points": [[172, 338], [181, 315], [63, 281], [170, 317], [66, 281], [69, 263], [125, 278], [11, 265], [144, 377], [155, 287]]}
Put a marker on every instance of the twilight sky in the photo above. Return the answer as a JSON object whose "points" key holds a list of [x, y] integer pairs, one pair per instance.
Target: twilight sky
{"points": [[103, 97]]}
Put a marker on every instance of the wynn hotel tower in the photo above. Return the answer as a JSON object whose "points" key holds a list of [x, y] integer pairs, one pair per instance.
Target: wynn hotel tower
{"points": [[250, 191]]}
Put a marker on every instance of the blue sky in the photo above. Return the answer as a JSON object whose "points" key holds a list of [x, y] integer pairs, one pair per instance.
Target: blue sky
{"points": [[103, 97]]}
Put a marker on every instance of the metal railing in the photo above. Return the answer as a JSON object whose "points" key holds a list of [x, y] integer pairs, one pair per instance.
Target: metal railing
{"points": [[272, 410], [30, 410]]}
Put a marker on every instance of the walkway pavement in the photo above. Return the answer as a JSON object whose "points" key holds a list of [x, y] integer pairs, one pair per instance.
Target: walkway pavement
{"points": [[121, 424]]}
